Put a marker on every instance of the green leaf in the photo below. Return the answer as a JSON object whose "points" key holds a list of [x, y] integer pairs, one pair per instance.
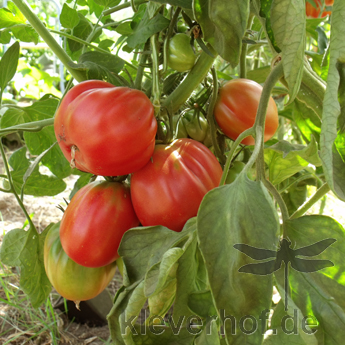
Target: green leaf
{"points": [[124, 29], [5, 36], [9, 18], [201, 303], [146, 28], [179, 3], [285, 159], [142, 248], [33, 278], [320, 294], [69, 17], [311, 27], [260, 74], [333, 166], [289, 27], [82, 181], [8, 65], [239, 213], [295, 197], [107, 3], [209, 335], [265, 12], [12, 245], [82, 30], [38, 184], [37, 142], [25, 34], [223, 25]]}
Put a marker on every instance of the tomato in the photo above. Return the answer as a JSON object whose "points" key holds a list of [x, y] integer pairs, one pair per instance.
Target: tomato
{"points": [[70, 280], [94, 222], [169, 189], [314, 12], [181, 57], [196, 126], [236, 108], [111, 128]]}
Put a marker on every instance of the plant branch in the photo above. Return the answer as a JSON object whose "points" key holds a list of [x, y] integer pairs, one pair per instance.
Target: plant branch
{"points": [[122, 6], [13, 190], [48, 38], [320, 193], [35, 126]]}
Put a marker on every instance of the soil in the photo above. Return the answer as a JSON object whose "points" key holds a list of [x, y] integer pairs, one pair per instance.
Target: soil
{"points": [[15, 322]]}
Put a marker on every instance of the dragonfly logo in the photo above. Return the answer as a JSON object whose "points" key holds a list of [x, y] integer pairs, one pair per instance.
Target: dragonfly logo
{"points": [[287, 255]]}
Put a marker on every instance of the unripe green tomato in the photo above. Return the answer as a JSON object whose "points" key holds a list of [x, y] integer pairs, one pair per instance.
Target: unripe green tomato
{"points": [[181, 57], [208, 138], [179, 128], [196, 126], [71, 280]]}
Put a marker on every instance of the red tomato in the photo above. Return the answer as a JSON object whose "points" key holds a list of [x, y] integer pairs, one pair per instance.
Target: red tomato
{"points": [[95, 221], [70, 280], [112, 128], [313, 12], [236, 108], [169, 189]]}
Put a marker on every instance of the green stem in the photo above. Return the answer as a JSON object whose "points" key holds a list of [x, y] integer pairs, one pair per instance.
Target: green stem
{"points": [[141, 67], [196, 75], [48, 38], [301, 178], [92, 33], [210, 117], [246, 133], [13, 190], [320, 193], [155, 74], [122, 6], [28, 127], [243, 59]]}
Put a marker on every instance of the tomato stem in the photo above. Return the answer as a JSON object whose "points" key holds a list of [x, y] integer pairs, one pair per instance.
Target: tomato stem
{"points": [[122, 6], [35, 126], [320, 193], [196, 75], [243, 58], [13, 190], [48, 38], [155, 74], [210, 117], [141, 66]]}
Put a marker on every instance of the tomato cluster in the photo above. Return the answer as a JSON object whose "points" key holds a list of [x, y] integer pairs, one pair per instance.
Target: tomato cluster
{"points": [[111, 131], [318, 10]]}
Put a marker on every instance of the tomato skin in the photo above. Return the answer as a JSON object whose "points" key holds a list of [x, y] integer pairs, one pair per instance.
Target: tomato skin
{"points": [[313, 12], [179, 128], [236, 108], [181, 57], [73, 281], [169, 189], [196, 126], [94, 222], [112, 127]]}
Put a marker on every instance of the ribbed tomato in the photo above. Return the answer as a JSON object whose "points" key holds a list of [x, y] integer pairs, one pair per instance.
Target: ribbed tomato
{"points": [[314, 12], [71, 280], [106, 130], [94, 222], [236, 108], [169, 189]]}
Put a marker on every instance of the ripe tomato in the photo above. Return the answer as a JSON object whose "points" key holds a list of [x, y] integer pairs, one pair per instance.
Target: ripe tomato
{"points": [[181, 57], [314, 12], [169, 189], [94, 222], [112, 128], [236, 108], [70, 280]]}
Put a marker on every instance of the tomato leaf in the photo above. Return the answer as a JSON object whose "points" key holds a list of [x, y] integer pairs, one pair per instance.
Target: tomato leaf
{"points": [[285, 159], [107, 3], [38, 184], [82, 30], [319, 294], [180, 3], [209, 335], [69, 17], [333, 165], [146, 28], [33, 278], [37, 142], [5, 36], [289, 27], [265, 12], [260, 74], [12, 245], [223, 25], [8, 65], [239, 213], [10, 16], [201, 303]]}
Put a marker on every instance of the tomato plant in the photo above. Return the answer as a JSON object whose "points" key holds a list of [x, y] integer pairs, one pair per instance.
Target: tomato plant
{"points": [[236, 109], [173, 183], [181, 56], [94, 222], [105, 130], [314, 12], [71, 280]]}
